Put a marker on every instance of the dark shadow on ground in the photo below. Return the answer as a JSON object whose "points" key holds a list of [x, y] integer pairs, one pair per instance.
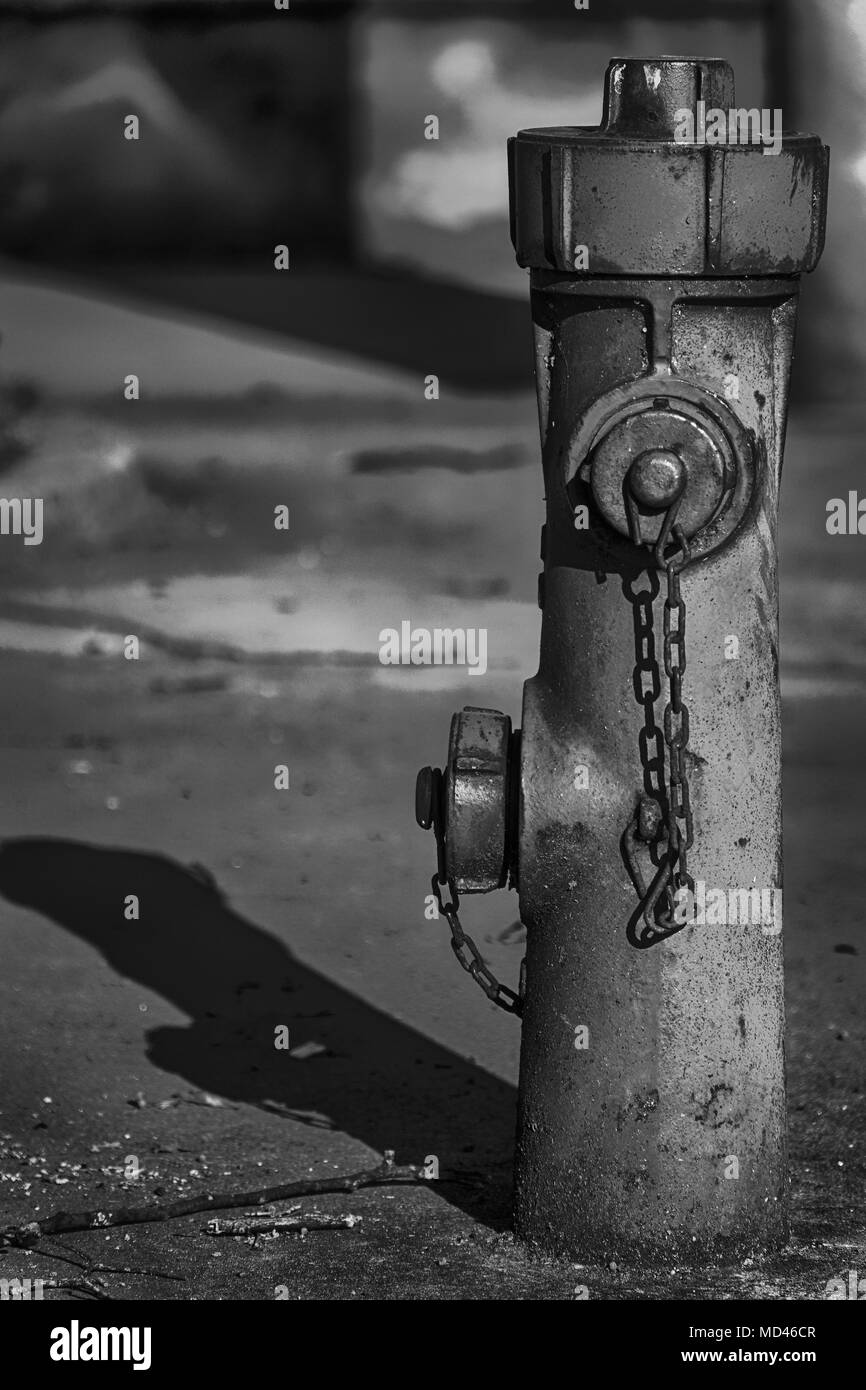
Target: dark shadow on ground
{"points": [[376, 1079], [473, 339]]}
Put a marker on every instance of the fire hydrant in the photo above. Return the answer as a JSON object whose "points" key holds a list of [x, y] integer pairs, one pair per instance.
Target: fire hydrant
{"points": [[638, 810]]}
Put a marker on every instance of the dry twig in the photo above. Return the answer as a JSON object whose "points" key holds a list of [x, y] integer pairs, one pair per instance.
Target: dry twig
{"points": [[264, 1225], [388, 1172]]}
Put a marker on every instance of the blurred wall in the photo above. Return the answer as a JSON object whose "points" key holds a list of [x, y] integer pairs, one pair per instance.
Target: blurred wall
{"points": [[244, 134], [307, 127], [825, 43]]}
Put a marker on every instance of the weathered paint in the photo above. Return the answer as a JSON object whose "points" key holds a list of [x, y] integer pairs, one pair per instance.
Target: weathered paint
{"points": [[623, 1145]]}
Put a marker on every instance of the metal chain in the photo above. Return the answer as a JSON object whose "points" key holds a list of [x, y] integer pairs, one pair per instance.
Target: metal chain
{"points": [[474, 963], [647, 688], [462, 944], [676, 734], [672, 875]]}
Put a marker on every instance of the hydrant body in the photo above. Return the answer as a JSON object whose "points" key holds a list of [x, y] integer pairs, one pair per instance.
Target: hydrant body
{"points": [[643, 830], [652, 1096]]}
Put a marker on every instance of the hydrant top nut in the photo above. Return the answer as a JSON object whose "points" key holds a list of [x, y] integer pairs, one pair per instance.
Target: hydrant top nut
{"points": [[656, 478]]}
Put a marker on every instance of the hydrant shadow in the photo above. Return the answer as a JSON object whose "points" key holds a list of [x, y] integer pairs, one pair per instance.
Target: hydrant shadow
{"points": [[350, 1066]]}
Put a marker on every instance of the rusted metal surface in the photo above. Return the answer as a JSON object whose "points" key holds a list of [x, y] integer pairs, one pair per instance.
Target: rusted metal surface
{"points": [[622, 1145]]}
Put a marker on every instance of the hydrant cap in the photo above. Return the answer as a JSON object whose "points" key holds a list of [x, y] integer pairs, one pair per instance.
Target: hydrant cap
{"points": [[676, 180]]}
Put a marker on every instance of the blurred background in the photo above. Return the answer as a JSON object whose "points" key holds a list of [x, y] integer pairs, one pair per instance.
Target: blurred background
{"points": [[305, 388]]}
